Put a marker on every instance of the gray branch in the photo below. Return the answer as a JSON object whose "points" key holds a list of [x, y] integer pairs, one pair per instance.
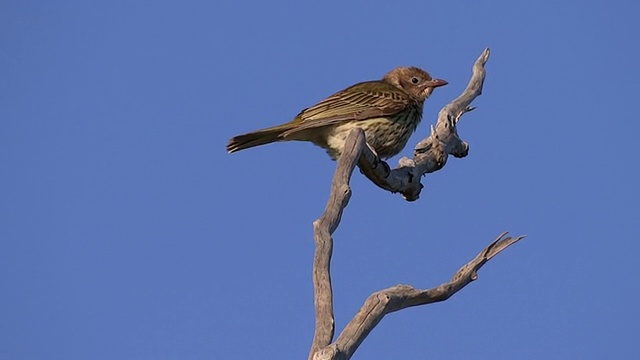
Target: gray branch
{"points": [[430, 155], [403, 296]]}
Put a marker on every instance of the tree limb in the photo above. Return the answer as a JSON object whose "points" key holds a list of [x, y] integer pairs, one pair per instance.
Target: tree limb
{"points": [[322, 230], [403, 296]]}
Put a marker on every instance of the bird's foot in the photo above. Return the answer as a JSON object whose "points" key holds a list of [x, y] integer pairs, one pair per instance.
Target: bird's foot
{"points": [[379, 162]]}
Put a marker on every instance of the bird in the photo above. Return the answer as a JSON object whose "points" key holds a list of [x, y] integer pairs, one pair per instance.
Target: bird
{"points": [[387, 110]]}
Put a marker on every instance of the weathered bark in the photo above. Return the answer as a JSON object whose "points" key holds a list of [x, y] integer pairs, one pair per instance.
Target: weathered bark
{"points": [[430, 155]]}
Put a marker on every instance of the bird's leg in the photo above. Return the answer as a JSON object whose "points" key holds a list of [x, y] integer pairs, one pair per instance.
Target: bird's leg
{"points": [[377, 161]]}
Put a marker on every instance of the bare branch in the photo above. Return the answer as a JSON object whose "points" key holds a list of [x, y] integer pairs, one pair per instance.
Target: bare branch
{"points": [[322, 230], [403, 296]]}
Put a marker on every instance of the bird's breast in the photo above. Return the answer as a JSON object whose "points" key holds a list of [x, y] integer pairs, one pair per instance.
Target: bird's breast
{"points": [[387, 135]]}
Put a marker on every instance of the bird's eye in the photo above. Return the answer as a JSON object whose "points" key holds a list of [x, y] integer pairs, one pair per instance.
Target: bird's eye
{"points": [[415, 80]]}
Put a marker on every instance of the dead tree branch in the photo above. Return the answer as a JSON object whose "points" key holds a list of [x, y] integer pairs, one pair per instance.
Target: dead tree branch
{"points": [[430, 155], [403, 296]]}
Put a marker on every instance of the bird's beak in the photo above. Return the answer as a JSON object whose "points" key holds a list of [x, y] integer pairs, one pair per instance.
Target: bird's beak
{"points": [[434, 83]]}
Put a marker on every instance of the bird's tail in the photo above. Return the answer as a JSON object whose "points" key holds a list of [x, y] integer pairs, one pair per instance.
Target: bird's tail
{"points": [[256, 138]]}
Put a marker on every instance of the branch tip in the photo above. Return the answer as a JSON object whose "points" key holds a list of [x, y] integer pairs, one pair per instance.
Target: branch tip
{"points": [[484, 56]]}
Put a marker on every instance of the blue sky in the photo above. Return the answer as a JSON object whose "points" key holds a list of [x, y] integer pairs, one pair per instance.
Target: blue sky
{"points": [[127, 231]]}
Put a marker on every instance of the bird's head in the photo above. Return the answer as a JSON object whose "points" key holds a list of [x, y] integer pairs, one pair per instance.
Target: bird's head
{"points": [[414, 81]]}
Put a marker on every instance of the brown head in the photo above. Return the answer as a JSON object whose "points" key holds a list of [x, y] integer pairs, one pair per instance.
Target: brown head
{"points": [[414, 81]]}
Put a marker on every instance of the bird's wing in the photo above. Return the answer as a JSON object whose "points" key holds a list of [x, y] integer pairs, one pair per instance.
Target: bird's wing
{"points": [[359, 102]]}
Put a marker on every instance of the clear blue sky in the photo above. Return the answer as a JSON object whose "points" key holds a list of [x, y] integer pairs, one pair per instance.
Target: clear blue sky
{"points": [[127, 231]]}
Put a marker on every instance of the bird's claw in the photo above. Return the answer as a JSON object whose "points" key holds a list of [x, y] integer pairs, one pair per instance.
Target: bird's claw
{"points": [[387, 169], [377, 161]]}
